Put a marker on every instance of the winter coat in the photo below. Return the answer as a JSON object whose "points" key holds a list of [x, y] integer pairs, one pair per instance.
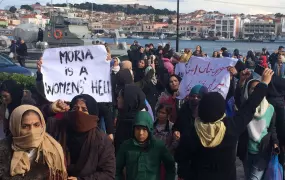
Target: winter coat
{"points": [[219, 163], [38, 171], [143, 163]]}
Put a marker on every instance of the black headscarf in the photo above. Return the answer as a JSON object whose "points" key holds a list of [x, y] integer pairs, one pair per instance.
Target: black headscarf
{"points": [[168, 89], [134, 98], [76, 140], [16, 91], [123, 77], [134, 101], [91, 103]]}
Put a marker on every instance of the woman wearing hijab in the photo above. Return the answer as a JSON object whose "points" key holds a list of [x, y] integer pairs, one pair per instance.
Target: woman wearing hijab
{"points": [[116, 66], [12, 94], [211, 145], [168, 97], [131, 100], [30, 153], [89, 152], [256, 143]]}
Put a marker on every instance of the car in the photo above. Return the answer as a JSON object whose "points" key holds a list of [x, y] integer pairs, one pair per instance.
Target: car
{"points": [[8, 66]]}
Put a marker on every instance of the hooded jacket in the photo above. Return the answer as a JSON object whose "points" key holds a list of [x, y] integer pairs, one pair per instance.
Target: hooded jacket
{"points": [[143, 162], [218, 162]]}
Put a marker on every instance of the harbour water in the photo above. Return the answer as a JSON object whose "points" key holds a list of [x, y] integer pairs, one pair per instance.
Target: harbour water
{"points": [[207, 46]]}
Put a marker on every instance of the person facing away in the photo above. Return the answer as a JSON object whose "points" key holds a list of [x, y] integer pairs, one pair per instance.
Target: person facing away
{"points": [[211, 145], [89, 152], [256, 143], [142, 154], [30, 153], [131, 100], [22, 53]]}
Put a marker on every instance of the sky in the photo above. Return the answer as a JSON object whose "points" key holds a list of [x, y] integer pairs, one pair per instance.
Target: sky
{"points": [[228, 6]]}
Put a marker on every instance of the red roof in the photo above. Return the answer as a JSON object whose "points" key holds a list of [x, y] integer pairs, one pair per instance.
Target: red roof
{"points": [[29, 16]]}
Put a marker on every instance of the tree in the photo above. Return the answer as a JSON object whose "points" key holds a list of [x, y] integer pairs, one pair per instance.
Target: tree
{"points": [[156, 18], [48, 4], [218, 33], [278, 15], [38, 3], [170, 20], [13, 9], [27, 7]]}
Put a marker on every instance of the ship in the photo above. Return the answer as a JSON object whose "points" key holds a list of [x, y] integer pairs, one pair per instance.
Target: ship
{"points": [[63, 30]]}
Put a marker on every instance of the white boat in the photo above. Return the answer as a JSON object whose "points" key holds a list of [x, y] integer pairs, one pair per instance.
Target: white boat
{"points": [[185, 38], [153, 37], [137, 37], [222, 39]]}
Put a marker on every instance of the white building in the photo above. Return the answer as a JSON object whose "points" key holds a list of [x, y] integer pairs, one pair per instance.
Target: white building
{"points": [[39, 20], [227, 27]]}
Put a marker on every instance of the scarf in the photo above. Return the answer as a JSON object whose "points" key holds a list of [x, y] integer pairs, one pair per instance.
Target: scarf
{"points": [[81, 122], [258, 123], [210, 134], [115, 69], [38, 139]]}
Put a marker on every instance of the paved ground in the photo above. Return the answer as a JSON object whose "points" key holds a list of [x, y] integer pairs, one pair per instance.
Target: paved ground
{"points": [[239, 167]]}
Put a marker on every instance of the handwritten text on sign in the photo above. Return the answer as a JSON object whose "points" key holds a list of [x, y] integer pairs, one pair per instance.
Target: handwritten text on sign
{"points": [[71, 71], [209, 72]]}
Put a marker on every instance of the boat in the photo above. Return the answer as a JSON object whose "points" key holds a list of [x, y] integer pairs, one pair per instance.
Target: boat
{"points": [[137, 37], [62, 31], [153, 37], [223, 39], [185, 38]]}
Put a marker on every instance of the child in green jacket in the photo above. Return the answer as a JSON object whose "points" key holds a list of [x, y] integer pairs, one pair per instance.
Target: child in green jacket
{"points": [[142, 155]]}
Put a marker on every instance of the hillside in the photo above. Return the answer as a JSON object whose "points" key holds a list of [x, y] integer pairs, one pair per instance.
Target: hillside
{"points": [[128, 9]]}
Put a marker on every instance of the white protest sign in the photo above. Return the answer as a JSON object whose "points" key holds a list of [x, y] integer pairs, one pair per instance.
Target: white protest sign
{"points": [[70, 71], [180, 69], [209, 72]]}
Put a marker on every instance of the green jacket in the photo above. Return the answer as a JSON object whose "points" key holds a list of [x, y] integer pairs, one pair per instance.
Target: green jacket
{"points": [[144, 163]]}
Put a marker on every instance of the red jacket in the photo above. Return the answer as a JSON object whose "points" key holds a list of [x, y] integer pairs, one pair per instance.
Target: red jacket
{"points": [[263, 61]]}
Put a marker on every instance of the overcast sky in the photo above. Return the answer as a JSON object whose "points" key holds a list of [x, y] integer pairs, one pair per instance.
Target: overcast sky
{"points": [[264, 6]]}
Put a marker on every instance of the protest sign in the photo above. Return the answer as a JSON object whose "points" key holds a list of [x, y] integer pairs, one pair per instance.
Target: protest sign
{"points": [[180, 69], [209, 72], [70, 71]]}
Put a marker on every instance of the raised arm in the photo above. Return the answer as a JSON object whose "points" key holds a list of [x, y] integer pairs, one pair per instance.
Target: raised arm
{"points": [[247, 110]]}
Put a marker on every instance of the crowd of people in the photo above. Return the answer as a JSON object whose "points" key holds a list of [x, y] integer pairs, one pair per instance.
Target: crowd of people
{"points": [[146, 132]]}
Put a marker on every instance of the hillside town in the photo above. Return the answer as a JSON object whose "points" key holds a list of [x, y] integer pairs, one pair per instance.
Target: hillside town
{"points": [[199, 24]]}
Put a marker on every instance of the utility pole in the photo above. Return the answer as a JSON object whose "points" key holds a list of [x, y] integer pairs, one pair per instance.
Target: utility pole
{"points": [[177, 28]]}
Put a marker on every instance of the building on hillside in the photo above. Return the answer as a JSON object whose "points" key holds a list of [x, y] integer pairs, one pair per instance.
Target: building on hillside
{"points": [[259, 30], [39, 20], [227, 27], [153, 27], [111, 25]]}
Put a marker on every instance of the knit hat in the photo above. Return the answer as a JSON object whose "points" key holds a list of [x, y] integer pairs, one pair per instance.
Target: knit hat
{"points": [[199, 90], [212, 107]]}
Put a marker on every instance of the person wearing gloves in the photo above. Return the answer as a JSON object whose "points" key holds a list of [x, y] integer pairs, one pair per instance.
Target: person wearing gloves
{"points": [[211, 145], [142, 155]]}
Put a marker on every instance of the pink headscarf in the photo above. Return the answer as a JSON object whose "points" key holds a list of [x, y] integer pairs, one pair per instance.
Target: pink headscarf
{"points": [[168, 65]]}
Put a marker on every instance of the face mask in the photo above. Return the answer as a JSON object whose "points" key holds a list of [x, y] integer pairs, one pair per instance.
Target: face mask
{"points": [[81, 122]]}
